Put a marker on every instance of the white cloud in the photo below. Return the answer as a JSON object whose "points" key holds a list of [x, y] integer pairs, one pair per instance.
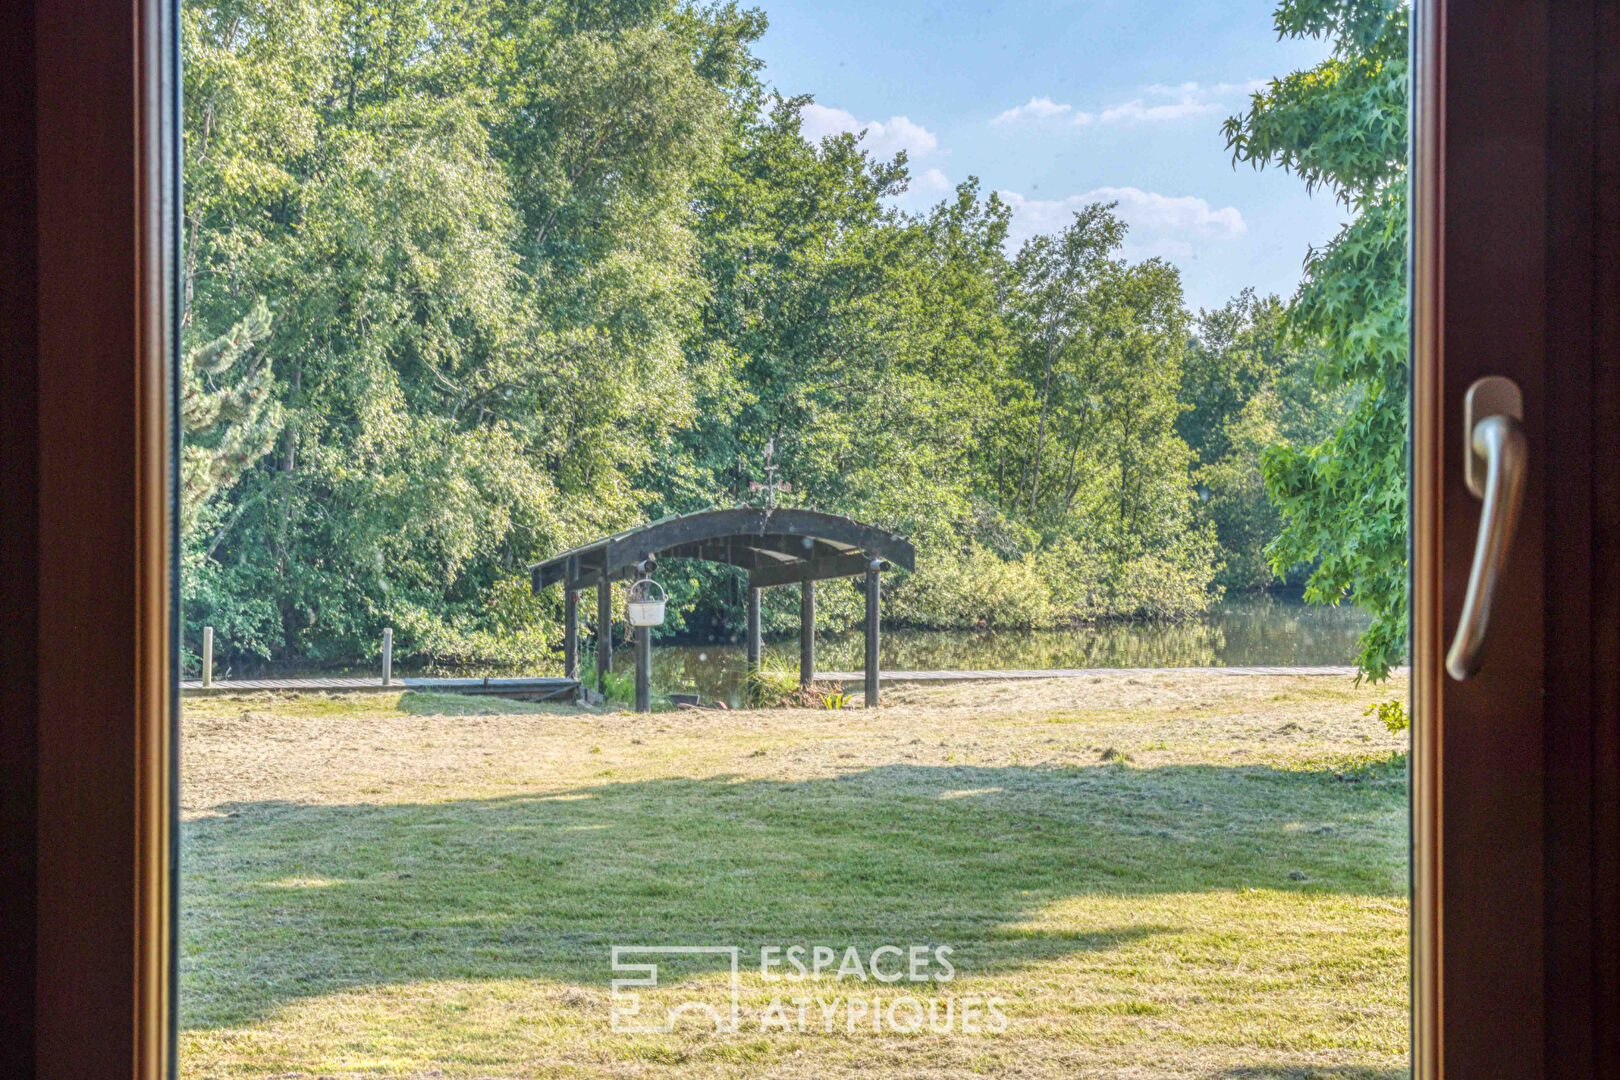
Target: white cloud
{"points": [[1190, 99], [1172, 213], [931, 180], [1197, 91], [885, 138], [1166, 225], [1036, 108], [1184, 100], [1139, 112]]}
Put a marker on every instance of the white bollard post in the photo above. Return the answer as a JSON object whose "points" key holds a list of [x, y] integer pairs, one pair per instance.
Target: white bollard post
{"points": [[388, 656], [208, 656]]}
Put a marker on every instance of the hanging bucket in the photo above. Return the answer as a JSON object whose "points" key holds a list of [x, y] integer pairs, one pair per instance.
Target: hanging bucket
{"points": [[642, 609]]}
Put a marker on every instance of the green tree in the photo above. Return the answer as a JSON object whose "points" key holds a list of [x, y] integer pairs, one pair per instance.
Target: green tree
{"points": [[852, 338], [1060, 291], [1094, 400], [228, 414], [1236, 351], [1250, 389], [541, 268], [1341, 126], [474, 221]]}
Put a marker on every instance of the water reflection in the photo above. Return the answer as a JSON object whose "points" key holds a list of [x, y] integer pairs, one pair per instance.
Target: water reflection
{"points": [[1263, 631]]}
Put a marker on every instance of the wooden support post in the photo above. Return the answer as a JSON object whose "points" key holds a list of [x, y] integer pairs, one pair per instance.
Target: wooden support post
{"points": [[208, 656], [754, 644], [807, 632], [570, 634], [873, 593], [604, 634], [388, 655], [643, 669]]}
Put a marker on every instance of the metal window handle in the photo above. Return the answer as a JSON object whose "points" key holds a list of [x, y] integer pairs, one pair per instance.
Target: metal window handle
{"points": [[1496, 467]]}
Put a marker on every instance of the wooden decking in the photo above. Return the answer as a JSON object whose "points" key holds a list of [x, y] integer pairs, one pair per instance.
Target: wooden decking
{"points": [[538, 689], [548, 688], [1069, 673]]}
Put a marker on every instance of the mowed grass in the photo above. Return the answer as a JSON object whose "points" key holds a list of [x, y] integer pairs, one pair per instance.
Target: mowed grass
{"points": [[1176, 875]]}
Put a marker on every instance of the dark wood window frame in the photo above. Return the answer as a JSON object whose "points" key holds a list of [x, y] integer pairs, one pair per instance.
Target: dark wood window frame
{"points": [[1516, 822], [1516, 811], [89, 147]]}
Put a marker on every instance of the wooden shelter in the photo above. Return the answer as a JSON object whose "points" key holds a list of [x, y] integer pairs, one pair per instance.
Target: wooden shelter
{"points": [[776, 545]]}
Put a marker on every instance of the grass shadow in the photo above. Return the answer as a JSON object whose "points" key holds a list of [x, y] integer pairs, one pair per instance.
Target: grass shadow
{"points": [[1312, 1072], [283, 901], [425, 703]]}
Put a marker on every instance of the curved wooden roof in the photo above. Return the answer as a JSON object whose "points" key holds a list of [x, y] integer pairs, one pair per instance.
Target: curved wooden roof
{"points": [[776, 546]]}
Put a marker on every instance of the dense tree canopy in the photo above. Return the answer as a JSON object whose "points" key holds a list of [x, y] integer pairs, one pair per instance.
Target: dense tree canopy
{"points": [[1250, 388], [1342, 126], [469, 281]]}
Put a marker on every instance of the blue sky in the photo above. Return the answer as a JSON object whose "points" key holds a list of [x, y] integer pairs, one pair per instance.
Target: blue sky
{"points": [[1059, 102]]}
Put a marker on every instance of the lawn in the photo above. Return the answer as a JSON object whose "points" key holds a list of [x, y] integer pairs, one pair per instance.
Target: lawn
{"points": [[1176, 875]]}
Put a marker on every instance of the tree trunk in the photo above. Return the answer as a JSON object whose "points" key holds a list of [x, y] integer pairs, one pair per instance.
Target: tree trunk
{"points": [[807, 633], [1070, 484], [871, 673], [1126, 512], [1040, 431]]}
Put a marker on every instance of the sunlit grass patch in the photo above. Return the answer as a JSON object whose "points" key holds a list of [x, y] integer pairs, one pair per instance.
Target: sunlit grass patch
{"points": [[399, 893]]}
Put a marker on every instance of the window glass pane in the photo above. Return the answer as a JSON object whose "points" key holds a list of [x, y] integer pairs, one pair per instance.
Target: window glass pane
{"points": [[578, 397]]}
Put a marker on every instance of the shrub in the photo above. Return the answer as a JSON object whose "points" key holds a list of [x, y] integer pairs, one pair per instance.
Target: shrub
{"points": [[1392, 713], [1063, 583], [972, 588], [779, 688], [619, 686]]}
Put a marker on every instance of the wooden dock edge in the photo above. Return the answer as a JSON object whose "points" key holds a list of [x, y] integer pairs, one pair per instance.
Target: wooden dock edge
{"points": [[529, 689]]}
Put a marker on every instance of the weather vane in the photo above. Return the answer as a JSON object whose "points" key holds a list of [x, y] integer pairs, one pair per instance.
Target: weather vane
{"points": [[771, 485]]}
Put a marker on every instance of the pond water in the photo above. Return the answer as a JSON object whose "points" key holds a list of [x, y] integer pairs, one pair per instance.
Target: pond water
{"points": [[1260, 631], [1265, 630]]}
